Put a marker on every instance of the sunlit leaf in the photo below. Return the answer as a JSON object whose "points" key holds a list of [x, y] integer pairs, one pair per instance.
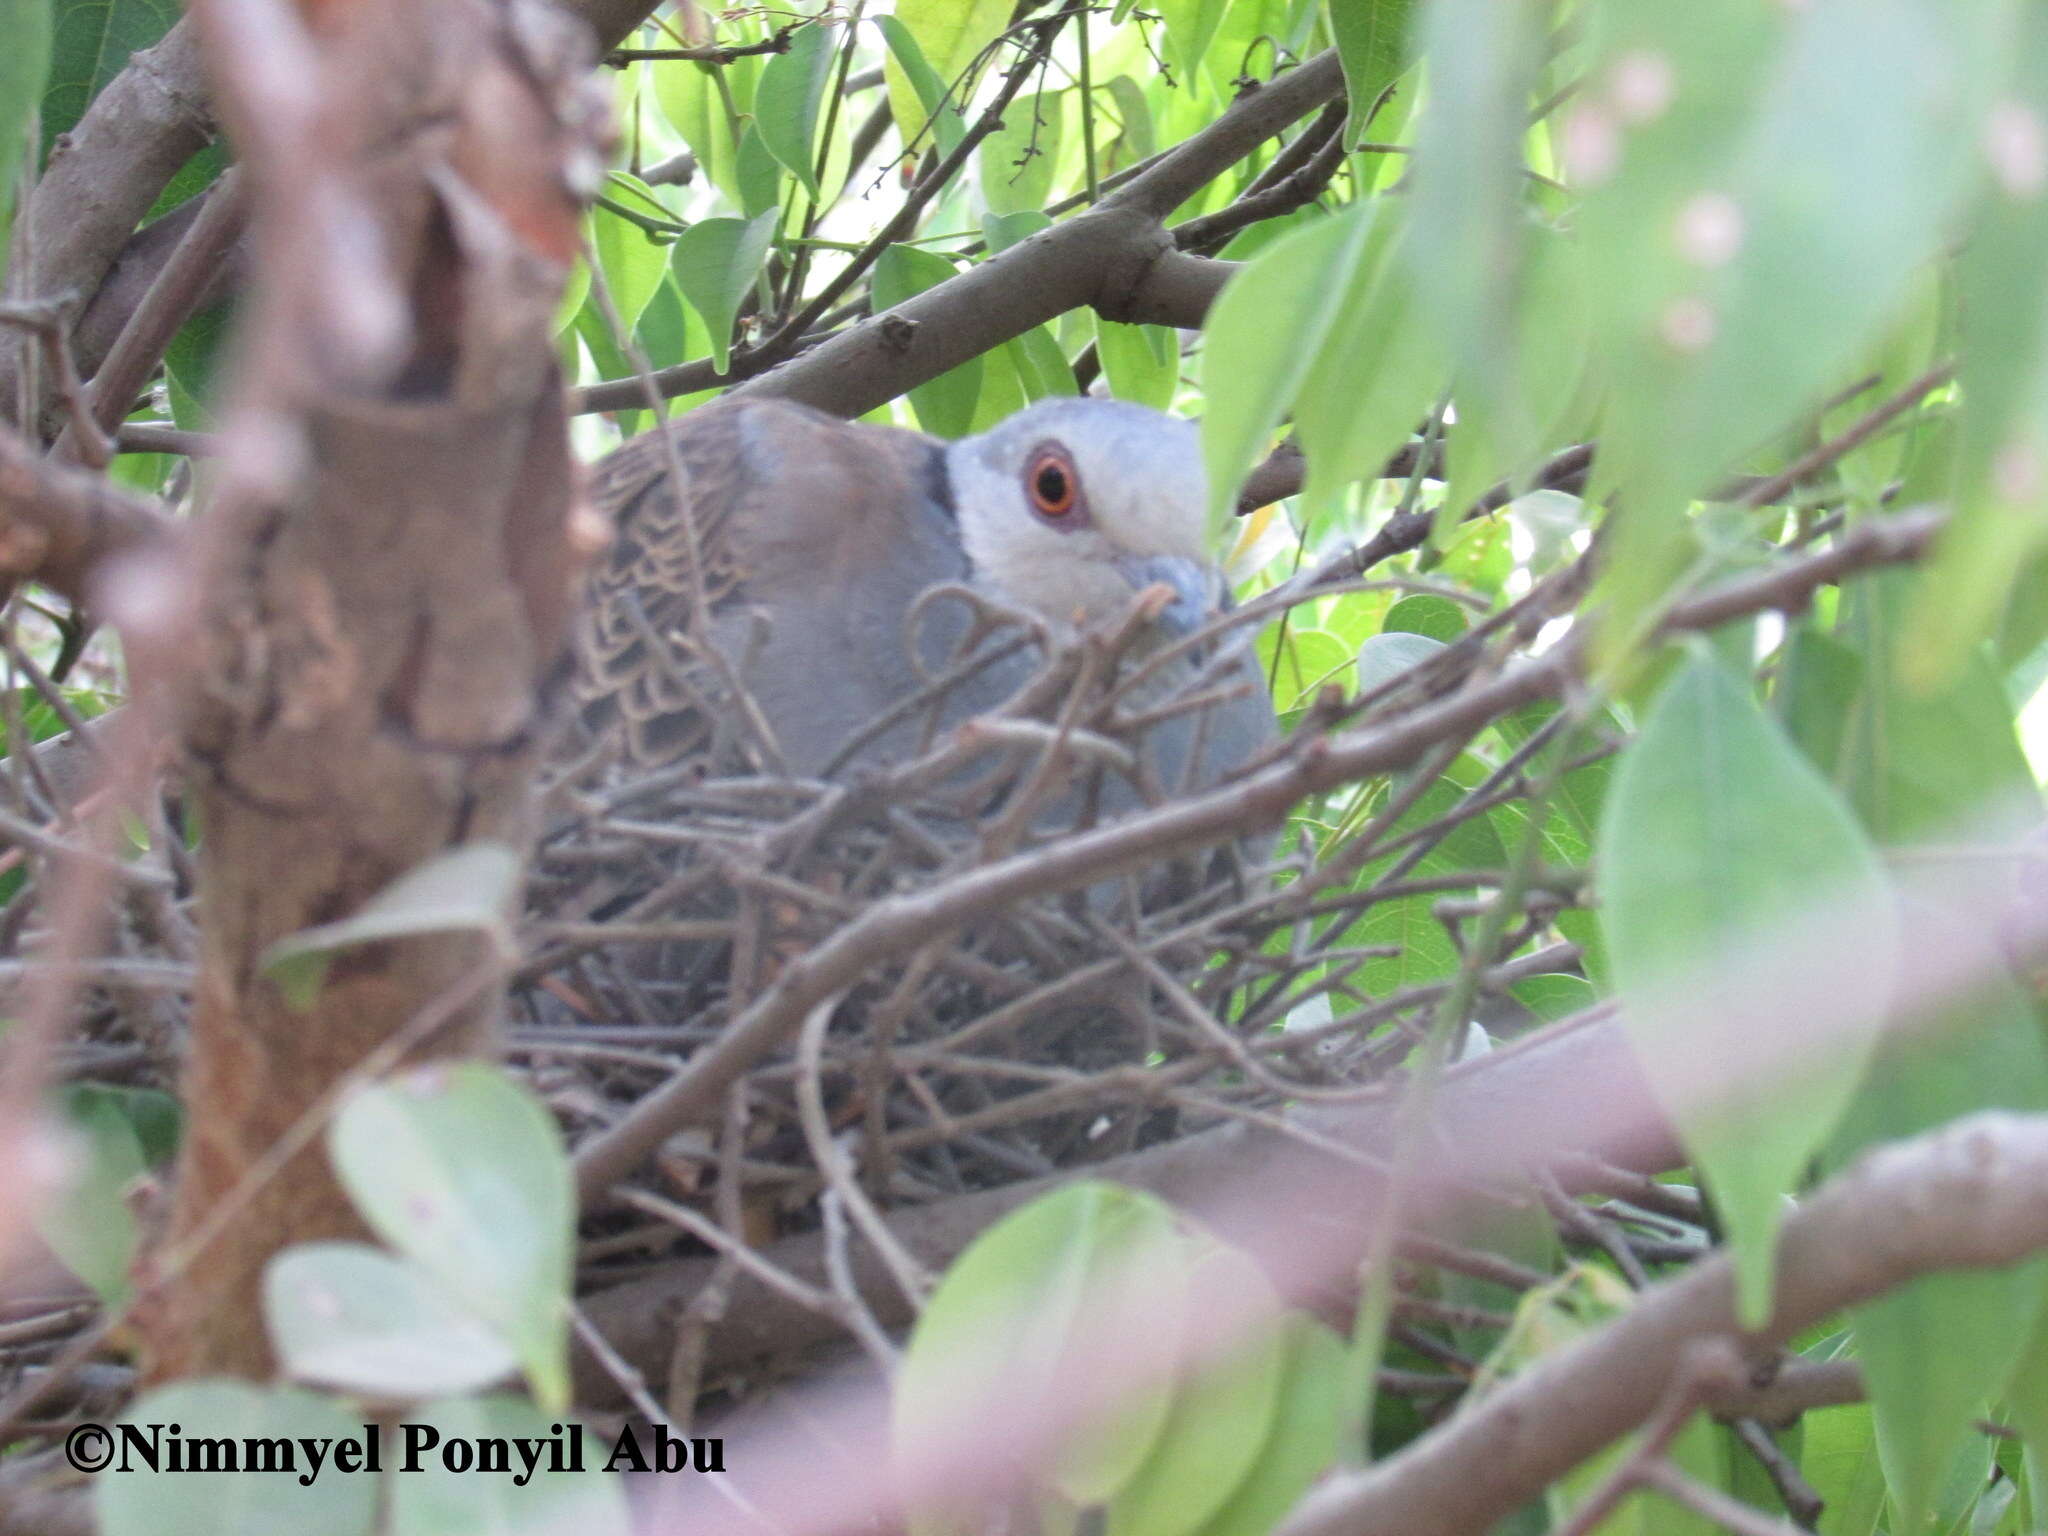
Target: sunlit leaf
{"points": [[1378, 370], [1372, 43], [1262, 334], [1302, 1440], [788, 98], [1190, 24], [1015, 1306], [1018, 160], [1141, 362], [716, 262], [948, 34], [633, 264]]}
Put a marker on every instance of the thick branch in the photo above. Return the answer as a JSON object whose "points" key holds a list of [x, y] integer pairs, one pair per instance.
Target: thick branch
{"points": [[105, 173], [1117, 258], [1973, 1195], [1575, 1058], [61, 526]]}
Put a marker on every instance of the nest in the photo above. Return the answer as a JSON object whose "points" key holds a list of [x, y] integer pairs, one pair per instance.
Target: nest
{"points": [[1017, 1013], [1048, 962]]}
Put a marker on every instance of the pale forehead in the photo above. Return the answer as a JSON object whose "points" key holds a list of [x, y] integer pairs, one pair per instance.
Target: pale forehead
{"points": [[1113, 431], [1119, 447]]}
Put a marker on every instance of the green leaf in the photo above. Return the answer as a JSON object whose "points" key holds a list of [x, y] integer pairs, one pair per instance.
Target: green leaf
{"points": [[1920, 765], [947, 34], [2027, 1400], [243, 1502], [1465, 225], [941, 111], [633, 263], [1003, 230], [88, 44], [352, 1318], [462, 1171], [1553, 996], [574, 292], [1136, 139], [1372, 45], [1697, 1450], [24, 70], [1221, 1414], [1262, 334], [1141, 362], [1840, 1460], [1385, 657], [945, 406], [1408, 925], [1011, 1309], [1041, 367], [1299, 660], [716, 262], [1725, 860], [191, 361], [87, 1223], [786, 102], [468, 888], [435, 1501], [1742, 259], [1938, 1349], [1302, 1440], [1017, 161], [1377, 373], [1190, 25], [757, 173], [690, 98], [1424, 613]]}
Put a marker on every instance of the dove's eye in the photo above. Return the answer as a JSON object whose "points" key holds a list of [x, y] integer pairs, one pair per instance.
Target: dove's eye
{"points": [[1050, 483]]}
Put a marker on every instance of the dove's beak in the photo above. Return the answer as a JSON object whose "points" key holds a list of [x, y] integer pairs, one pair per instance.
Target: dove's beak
{"points": [[1193, 585]]}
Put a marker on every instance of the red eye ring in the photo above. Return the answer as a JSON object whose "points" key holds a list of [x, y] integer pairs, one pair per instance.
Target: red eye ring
{"points": [[1050, 482]]}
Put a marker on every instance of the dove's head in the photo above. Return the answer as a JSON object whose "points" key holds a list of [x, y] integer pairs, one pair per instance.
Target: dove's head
{"points": [[1073, 505]]}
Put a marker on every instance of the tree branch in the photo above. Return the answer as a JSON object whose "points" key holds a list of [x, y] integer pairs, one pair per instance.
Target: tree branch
{"points": [[62, 526], [1572, 1057], [1972, 1195]]}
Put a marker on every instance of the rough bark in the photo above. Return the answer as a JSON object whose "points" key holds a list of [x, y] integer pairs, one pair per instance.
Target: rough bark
{"points": [[382, 620]]}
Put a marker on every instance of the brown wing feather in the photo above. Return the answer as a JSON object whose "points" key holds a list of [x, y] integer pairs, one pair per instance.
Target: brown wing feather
{"points": [[778, 507]]}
